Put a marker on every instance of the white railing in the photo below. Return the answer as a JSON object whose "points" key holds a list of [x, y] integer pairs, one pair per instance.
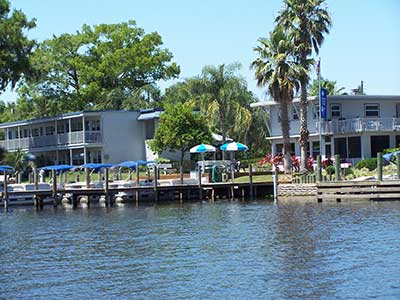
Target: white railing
{"points": [[52, 140], [359, 125]]}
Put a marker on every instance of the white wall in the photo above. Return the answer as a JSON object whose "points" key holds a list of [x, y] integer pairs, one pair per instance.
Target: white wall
{"points": [[123, 136]]}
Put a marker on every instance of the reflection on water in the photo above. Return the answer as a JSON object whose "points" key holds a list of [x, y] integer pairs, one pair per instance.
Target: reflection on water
{"points": [[225, 250]]}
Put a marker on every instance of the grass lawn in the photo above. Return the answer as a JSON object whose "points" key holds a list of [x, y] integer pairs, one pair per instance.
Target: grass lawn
{"points": [[263, 178]]}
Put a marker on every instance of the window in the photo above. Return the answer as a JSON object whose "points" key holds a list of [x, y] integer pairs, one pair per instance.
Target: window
{"points": [[50, 130], [371, 110], [294, 113], [341, 147], [336, 110], [60, 128], [316, 111], [95, 125], [354, 146], [279, 148], [77, 125], [315, 149], [35, 132]]}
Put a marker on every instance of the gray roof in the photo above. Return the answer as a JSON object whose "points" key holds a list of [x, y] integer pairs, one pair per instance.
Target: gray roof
{"points": [[149, 115]]}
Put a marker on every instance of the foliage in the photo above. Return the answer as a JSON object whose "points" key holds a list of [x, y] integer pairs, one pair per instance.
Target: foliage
{"points": [[108, 66], [327, 162], [3, 153], [305, 22], [15, 47], [277, 69], [223, 98], [330, 86], [330, 170], [368, 163], [390, 150], [180, 129]]}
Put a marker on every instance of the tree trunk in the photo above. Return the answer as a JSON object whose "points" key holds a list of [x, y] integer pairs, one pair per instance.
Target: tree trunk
{"points": [[285, 126], [303, 141], [181, 166]]}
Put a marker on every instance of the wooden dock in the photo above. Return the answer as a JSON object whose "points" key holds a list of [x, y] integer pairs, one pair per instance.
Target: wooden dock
{"points": [[192, 192], [352, 190]]}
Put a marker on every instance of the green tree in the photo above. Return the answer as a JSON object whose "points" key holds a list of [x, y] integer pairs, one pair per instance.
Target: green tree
{"points": [[17, 160], [108, 66], [306, 23], [277, 69], [180, 129], [225, 100], [330, 85], [15, 47]]}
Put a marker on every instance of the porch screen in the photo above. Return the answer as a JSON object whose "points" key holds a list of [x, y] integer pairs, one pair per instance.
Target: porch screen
{"points": [[354, 146], [341, 147]]}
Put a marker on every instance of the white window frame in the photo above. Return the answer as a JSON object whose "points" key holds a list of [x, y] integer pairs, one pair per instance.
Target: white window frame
{"points": [[371, 104], [337, 110]]}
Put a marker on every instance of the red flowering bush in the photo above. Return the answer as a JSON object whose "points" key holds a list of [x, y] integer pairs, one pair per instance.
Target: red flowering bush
{"points": [[295, 163], [310, 162], [327, 162]]}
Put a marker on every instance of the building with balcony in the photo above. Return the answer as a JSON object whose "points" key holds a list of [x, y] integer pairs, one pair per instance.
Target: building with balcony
{"points": [[82, 137], [357, 126]]}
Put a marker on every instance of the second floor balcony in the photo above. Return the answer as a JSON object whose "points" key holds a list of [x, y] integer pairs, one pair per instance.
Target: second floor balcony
{"points": [[359, 125], [65, 139]]}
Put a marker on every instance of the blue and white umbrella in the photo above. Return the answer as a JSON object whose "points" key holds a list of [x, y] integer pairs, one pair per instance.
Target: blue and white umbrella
{"points": [[234, 146], [202, 148]]}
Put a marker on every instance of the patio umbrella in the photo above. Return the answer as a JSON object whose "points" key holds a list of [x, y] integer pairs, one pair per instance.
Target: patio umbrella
{"points": [[202, 148], [234, 146]]}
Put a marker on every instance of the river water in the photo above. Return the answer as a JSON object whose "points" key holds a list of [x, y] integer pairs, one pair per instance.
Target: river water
{"points": [[222, 250]]}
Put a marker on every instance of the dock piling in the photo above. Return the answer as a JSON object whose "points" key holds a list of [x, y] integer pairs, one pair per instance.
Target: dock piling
{"points": [[379, 166], [5, 191], [251, 181], [54, 187], [137, 194], [106, 189], [398, 165], [337, 167], [155, 183], [319, 169], [200, 185]]}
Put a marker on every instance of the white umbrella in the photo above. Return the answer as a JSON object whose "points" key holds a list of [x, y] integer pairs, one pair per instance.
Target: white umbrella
{"points": [[234, 147], [202, 148]]}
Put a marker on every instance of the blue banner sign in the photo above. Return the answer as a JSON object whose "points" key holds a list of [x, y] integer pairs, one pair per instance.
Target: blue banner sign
{"points": [[323, 96]]}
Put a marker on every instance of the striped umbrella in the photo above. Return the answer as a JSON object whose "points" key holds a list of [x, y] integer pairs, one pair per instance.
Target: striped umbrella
{"points": [[234, 147], [202, 148]]}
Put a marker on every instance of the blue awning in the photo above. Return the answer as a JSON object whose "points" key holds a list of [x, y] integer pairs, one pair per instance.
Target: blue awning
{"points": [[145, 162]]}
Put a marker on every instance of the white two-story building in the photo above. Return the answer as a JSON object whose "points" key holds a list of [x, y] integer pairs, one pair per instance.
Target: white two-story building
{"points": [[84, 137], [357, 126]]}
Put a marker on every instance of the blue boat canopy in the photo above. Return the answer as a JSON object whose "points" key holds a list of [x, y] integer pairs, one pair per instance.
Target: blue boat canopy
{"points": [[58, 168], [388, 156], [96, 167], [145, 162], [6, 169], [127, 164]]}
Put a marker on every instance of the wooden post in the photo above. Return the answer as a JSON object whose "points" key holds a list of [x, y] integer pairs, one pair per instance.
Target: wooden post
{"points": [[398, 165], [337, 167], [106, 190], [275, 182], [155, 183], [379, 166], [319, 169], [200, 185], [137, 185], [36, 179], [87, 178], [5, 191], [251, 181], [54, 187]]}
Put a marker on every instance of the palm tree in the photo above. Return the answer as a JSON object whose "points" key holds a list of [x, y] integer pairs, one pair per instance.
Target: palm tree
{"points": [[277, 69], [306, 22], [225, 99]]}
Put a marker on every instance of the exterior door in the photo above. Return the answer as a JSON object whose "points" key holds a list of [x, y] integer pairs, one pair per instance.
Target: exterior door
{"points": [[379, 143]]}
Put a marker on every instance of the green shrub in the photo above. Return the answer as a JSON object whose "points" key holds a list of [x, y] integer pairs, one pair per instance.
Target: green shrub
{"points": [[390, 150], [330, 170], [348, 171], [369, 163]]}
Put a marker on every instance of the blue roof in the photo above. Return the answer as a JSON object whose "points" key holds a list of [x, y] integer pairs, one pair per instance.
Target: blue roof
{"points": [[145, 162]]}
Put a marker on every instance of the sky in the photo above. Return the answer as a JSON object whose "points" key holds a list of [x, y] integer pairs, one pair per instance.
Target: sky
{"points": [[364, 42]]}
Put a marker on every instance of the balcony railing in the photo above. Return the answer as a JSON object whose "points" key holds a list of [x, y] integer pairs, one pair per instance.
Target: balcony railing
{"points": [[52, 140], [359, 125]]}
